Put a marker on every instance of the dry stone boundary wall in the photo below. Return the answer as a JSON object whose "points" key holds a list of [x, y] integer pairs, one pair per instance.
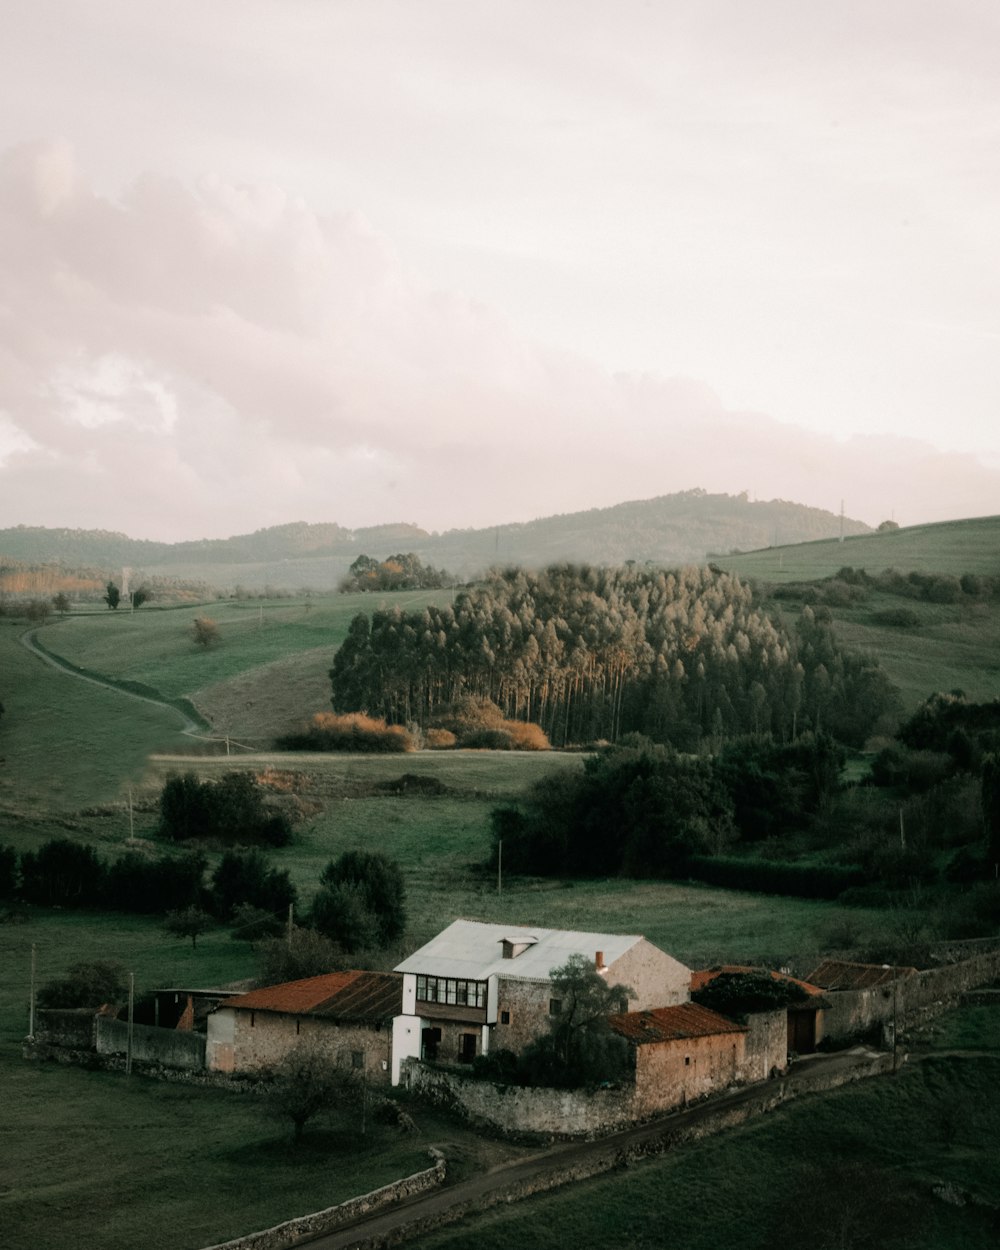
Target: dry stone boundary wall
{"points": [[329, 1220]]}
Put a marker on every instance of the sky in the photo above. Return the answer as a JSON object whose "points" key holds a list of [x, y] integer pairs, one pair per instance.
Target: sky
{"points": [[466, 262]]}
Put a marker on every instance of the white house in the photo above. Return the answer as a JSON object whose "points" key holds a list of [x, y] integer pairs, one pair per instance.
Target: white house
{"points": [[477, 987]]}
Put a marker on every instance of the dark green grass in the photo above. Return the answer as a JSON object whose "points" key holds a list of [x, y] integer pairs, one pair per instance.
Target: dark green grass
{"points": [[969, 546], [66, 743], [155, 647], [748, 1188], [89, 1158]]}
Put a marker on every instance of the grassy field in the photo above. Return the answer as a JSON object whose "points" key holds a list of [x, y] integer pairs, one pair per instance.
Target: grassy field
{"points": [[89, 1158], [971, 546], [855, 1167]]}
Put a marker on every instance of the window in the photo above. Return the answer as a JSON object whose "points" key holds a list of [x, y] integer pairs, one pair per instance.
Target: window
{"points": [[298, 1027], [357, 1058], [505, 1017], [555, 1006], [251, 1019], [687, 1061], [452, 992]]}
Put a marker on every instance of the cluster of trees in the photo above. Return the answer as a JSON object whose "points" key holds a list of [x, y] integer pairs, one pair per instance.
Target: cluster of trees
{"points": [[850, 585], [593, 654], [399, 572], [231, 810], [113, 596], [642, 809], [360, 905]]}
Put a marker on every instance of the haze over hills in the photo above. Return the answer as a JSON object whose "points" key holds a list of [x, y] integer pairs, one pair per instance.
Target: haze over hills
{"points": [[683, 528]]}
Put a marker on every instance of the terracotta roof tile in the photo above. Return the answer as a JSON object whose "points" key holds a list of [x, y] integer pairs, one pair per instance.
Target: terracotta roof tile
{"points": [[839, 974], [338, 995], [667, 1024]]}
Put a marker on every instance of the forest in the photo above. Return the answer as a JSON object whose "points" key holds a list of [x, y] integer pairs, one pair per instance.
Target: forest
{"points": [[592, 654]]}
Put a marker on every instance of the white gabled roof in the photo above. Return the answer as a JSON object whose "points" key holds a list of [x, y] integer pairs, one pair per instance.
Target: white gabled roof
{"points": [[472, 950]]}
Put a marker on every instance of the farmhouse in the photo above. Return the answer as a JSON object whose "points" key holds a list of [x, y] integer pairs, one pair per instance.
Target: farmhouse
{"points": [[347, 1014], [477, 986]]}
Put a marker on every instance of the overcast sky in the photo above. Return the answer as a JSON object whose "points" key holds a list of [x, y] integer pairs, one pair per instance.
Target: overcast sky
{"points": [[461, 262]]}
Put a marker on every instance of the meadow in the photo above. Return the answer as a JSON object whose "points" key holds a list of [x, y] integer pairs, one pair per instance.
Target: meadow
{"points": [[968, 546], [855, 1167]]}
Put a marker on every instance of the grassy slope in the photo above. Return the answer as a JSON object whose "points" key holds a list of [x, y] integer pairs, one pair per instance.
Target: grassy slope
{"points": [[955, 646], [937, 1121], [947, 547]]}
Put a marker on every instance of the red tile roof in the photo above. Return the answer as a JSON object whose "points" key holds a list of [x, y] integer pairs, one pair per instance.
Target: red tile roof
{"points": [[700, 979], [668, 1024], [335, 995], [838, 974]]}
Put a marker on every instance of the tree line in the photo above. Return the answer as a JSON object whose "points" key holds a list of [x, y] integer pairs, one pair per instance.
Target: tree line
{"points": [[592, 654]]}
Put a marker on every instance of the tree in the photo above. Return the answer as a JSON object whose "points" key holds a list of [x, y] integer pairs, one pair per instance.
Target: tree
{"points": [[302, 953], [307, 1083], [580, 1047], [90, 983], [250, 924], [8, 871], [246, 877], [205, 631], [62, 873], [991, 805], [340, 911], [37, 611], [380, 886], [736, 994], [140, 596], [61, 603], [112, 595], [191, 922]]}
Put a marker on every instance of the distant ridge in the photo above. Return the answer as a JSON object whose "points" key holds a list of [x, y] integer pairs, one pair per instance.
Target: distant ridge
{"points": [[683, 528]]}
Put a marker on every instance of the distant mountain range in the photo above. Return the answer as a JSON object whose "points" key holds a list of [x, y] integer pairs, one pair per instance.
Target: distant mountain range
{"points": [[689, 527]]}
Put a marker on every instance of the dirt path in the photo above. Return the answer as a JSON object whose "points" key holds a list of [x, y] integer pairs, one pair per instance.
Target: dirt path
{"points": [[28, 640], [571, 1161]]}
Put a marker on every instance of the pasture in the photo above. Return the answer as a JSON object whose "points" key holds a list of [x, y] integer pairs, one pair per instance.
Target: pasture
{"points": [[968, 546]]}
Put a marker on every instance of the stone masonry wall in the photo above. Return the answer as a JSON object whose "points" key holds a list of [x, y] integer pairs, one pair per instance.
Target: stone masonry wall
{"points": [[658, 979], [291, 1232], [261, 1039], [170, 1047]]}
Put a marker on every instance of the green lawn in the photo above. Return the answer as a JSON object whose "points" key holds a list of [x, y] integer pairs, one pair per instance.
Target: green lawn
{"points": [[855, 1167]]}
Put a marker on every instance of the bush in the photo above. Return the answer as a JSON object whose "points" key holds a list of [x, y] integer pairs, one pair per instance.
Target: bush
{"points": [[87, 984], [350, 731], [231, 810], [150, 887], [440, 739], [380, 891], [901, 618], [246, 877], [764, 876]]}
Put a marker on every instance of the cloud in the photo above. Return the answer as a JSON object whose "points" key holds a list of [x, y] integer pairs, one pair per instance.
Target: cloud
{"points": [[181, 361]]}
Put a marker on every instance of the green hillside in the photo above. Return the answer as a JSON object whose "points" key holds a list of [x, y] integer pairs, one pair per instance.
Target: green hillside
{"points": [[970, 546]]}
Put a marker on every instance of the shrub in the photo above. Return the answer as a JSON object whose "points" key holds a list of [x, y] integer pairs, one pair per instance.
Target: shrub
{"points": [[349, 731], [525, 736], [901, 618], [149, 887], [231, 810], [87, 984], [440, 739]]}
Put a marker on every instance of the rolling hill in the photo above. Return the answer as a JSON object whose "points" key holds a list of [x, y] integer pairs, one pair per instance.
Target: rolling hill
{"points": [[674, 529]]}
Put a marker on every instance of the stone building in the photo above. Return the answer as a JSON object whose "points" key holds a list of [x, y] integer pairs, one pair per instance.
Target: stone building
{"points": [[347, 1014], [805, 1020], [681, 1053], [477, 987]]}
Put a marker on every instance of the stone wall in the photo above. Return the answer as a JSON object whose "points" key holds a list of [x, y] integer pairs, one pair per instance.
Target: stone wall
{"points": [[327, 1221], [515, 1109], [658, 979], [248, 1041], [766, 1045], [672, 1074], [172, 1048], [66, 1026]]}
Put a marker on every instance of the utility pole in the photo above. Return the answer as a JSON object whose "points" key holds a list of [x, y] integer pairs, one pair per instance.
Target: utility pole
{"points": [[131, 1017], [291, 913], [499, 867], [31, 996]]}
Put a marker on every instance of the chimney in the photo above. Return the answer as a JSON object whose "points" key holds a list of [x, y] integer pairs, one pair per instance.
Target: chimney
{"points": [[599, 960]]}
